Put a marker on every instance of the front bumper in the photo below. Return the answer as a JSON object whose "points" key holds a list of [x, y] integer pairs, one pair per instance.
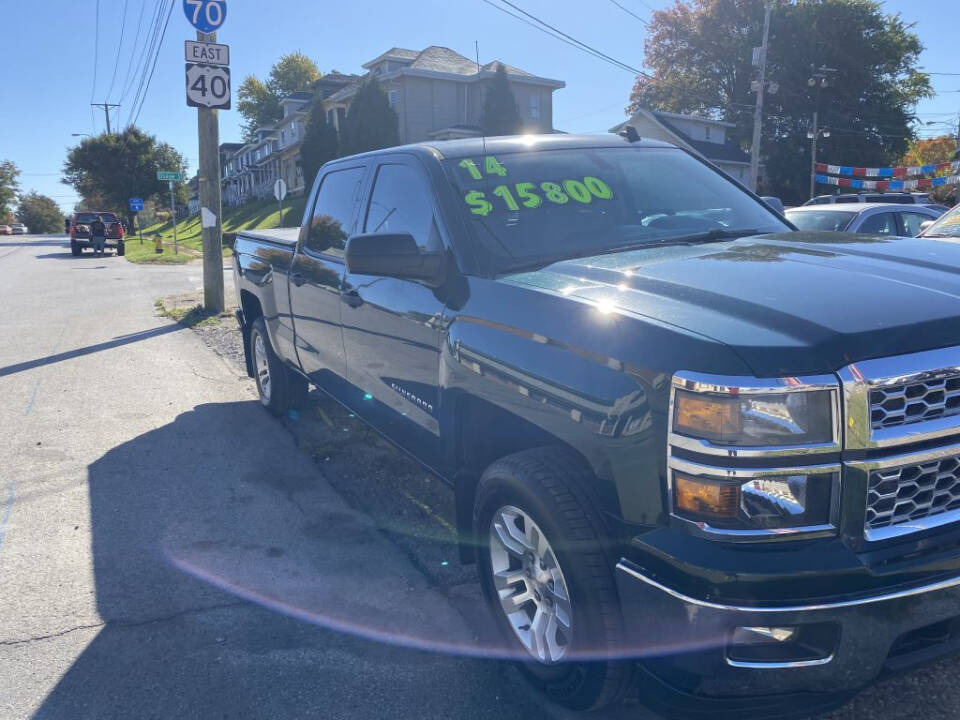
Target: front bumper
{"points": [[685, 643]]}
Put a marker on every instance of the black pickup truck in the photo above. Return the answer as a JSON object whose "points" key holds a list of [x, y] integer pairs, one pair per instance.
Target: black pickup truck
{"points": [[696, 455]]}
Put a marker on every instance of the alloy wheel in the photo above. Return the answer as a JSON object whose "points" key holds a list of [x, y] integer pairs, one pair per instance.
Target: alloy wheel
{"points": [[530, 584]]}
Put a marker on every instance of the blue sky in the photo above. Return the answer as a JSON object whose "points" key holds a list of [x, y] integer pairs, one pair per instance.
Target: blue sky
{"points": [[47, 91]]}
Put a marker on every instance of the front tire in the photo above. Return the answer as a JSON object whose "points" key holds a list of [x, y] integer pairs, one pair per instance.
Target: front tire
{"points": [[280, 388], [547, 578]]}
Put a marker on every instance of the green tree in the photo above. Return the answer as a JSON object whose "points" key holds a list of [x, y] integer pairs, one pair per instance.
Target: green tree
{"points": [[500, 115], [259, 102], [320, 144], [700, 53], [933, 151], [40, 213], [371, 123], [9, 187], [113, 168]]}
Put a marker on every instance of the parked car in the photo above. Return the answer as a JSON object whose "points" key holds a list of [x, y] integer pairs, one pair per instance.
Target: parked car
{"points": [[6, 230], [702, 450], [875, 218], [946, 226], [80, 231], [19, 229], [902, 198]]}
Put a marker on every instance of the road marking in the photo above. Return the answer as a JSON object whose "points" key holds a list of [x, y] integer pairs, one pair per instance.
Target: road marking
{"points": [[431, 512]]}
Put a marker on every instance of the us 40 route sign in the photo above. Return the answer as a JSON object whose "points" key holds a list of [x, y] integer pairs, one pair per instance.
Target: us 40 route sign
{"points": [[205, 15], [208, 86]]}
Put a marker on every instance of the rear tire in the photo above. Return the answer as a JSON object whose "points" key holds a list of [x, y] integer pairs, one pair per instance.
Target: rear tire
{"points": [[280, 388], [121, 249], [75, 248], [541, 489]]}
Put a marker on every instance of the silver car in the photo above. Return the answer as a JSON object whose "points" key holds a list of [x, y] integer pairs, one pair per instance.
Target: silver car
{"points": [[19, 229], [873, 218]]}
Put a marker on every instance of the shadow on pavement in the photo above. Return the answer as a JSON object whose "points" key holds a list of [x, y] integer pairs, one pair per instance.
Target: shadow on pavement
{"points": [[79, 352], [217, 507], [36, 243]]}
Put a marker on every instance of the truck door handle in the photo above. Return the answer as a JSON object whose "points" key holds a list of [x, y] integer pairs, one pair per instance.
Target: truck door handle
{"points": [[352, 298], [297, 279]]}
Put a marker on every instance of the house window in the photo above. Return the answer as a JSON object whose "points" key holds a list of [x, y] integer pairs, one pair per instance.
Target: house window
{"points": [[330, 114], [394, 97], [283, 137], [256, 156], [707, 132], [535, 107]]}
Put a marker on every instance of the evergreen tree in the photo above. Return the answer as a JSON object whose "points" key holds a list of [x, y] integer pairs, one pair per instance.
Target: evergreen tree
{"points": [[500, 114], [371, 124], [40, 213], [319, 146]]}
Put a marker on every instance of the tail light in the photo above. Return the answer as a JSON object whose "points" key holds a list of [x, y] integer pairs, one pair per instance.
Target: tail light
{"points": [[120, 230]]}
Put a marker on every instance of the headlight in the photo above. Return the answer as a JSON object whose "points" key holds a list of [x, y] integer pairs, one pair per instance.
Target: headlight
{"points": [[764, 503], [790, 418]]}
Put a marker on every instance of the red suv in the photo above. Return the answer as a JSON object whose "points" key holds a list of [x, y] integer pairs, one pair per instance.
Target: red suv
{"points": [[80, 223]]}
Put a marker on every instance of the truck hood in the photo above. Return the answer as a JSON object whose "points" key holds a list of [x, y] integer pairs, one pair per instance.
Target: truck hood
{"points": [[786, 303]]}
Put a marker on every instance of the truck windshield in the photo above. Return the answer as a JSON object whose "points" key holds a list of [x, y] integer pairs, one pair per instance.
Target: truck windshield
{"points": [[90, 217], [541, 206]]}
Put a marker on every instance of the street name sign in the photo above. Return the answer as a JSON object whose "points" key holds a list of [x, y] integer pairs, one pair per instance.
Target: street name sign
{"points": [[208, 86], [136, 204], [206, 53], [168, 175], [205, 15], [280, 189]]}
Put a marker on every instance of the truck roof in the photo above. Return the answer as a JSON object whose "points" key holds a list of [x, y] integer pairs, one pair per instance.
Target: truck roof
{"points": [[511, 143]]}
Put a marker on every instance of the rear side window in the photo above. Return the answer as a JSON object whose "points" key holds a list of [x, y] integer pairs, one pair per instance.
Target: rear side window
{"points": [[880, 224], [912, 221], [400, 203], [334, 211]]}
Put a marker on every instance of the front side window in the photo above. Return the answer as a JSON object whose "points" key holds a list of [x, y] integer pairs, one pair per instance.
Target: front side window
{"points": [[334, 211], [400, 203], [879, 224], [912, 222], [538, 206]]}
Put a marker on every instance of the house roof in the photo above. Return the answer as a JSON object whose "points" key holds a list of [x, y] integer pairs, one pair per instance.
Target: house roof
{"points": [[722, 152], [302, 96], [681, 116], [394, 53]]}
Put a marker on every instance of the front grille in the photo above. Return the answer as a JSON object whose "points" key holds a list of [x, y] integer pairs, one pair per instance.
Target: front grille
{"points": [[911, 492], [914, 402]]}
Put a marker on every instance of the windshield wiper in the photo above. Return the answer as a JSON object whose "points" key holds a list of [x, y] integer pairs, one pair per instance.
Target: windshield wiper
{"points": [[708, 236]]}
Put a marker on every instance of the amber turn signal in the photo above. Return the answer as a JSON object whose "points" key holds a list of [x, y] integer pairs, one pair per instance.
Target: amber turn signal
{"points": [[704, 416], [709, 498]]}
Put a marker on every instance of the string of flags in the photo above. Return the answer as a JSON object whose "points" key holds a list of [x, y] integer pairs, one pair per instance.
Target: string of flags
{"points": [[918, 184], [852, 177], [888, 172]]}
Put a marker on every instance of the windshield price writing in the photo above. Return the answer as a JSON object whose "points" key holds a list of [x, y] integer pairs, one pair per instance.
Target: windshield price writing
{"points": [[530, 195]]}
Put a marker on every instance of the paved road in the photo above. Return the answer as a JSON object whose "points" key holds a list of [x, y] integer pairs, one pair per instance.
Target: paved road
{"points": [[166, 551]]}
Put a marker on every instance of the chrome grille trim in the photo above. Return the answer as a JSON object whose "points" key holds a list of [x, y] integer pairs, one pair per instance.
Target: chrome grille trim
{"points": [[902, 490], [886, 378], [895, 405]]}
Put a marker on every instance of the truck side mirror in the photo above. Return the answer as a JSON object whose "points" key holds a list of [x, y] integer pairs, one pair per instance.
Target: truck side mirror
{"points": [[393, 255]]}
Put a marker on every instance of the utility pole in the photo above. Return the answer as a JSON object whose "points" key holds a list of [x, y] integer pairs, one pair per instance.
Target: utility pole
{"points": [[106, 111], [758, 111], [817, 80], [208, 131]]}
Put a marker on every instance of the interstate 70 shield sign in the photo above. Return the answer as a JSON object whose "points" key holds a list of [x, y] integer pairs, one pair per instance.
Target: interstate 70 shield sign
{"points": [[208, 86]]}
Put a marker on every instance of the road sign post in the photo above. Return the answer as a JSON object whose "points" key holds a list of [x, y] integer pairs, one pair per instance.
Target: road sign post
{"points": [[280, 192], [173, 219], [136, 205], [208, 132]]}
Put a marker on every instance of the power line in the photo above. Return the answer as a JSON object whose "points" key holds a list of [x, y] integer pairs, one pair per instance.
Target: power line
{"points": [[96, 48], [116, 63], [630, 12], [154, 67], [563, 37], [154, 50], [134, 68]]}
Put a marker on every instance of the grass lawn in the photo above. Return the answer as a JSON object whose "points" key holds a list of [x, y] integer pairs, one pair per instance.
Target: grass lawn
{"points": [[261, 215]]}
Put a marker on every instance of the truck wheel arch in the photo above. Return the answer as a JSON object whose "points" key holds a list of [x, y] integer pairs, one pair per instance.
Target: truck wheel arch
{"points": [[250, 305], [484, 434]]}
